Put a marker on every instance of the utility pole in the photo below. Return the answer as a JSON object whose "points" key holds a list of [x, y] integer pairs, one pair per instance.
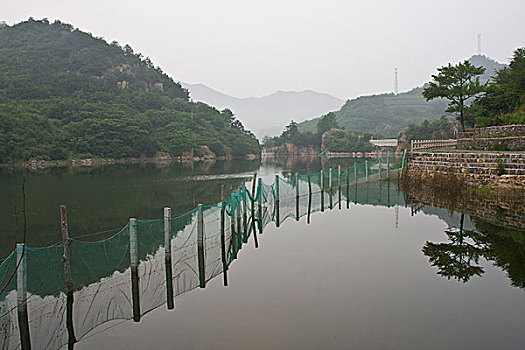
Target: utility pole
{"points": [[396, 87]]}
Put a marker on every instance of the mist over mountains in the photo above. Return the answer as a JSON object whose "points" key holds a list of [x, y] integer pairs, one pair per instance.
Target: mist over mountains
{"points": [[268, 115], [386, 114]]}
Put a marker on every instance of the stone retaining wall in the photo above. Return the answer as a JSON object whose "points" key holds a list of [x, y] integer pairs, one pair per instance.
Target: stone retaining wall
{"points": [[494, 131], [495, 211], [493, 144], [478, 168]]}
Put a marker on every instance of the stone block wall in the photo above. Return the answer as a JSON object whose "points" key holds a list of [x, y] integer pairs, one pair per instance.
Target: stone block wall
{"points": [[493, 144], [494, 131], [496, 211], [478, 168], [494, 138]]}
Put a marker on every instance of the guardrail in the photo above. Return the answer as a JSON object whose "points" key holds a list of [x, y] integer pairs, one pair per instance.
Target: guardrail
{"points": [[420, 145]]}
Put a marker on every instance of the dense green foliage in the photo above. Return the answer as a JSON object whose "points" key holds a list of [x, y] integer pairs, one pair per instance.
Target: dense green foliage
{"points": [[440, 129], [388, 114], [348, 141], [291, 134], [327, 122], [504, 100], [384, 114], [65, 94], [337, 140], [457, 84]]}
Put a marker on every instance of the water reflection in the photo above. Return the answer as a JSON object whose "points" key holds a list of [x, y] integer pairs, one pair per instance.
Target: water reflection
{"points": [[151, 262], [148, 263], [459, 258], [102, 198]]}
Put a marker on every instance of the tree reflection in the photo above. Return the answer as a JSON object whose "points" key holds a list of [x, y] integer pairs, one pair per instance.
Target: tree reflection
{"points": [[506, 248], [458, 258]]}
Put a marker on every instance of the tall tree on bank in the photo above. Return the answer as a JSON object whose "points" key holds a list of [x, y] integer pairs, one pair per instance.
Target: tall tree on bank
{"points": [[457, 84], [326, 123], [504, 99]]}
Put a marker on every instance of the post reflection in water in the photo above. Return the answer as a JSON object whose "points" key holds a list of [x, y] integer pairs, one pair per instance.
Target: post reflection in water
{"points": [[183, 253]]}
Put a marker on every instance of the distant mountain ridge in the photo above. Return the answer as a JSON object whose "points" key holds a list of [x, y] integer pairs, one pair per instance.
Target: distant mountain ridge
{"points": [[387, 114], [268, 115], [65, 94]]}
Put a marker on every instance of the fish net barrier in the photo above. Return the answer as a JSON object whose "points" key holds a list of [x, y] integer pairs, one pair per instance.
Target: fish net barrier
{"points": [[148, 263]]}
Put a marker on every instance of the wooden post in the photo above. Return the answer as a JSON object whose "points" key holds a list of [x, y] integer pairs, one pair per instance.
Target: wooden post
{"points": [[260, 207], [223, 243], [355, 194], [277, 218], [232, 228], [388, 193], [244, 211], [238, 216], [339, 182], [347, 187], [21, 296], [296, 196], [380, 192], [366, 170], [167, 258], [388, 166], [380, 166], [65, 241], [322, 190], [330, 186], [330, 179], [69, 321], [200, 246], [309, 198], [134, 262], [252, 202], [67, 277]]}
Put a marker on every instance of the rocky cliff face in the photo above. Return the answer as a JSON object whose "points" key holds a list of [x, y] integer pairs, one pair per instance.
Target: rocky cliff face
{"points": [[291, 149]]}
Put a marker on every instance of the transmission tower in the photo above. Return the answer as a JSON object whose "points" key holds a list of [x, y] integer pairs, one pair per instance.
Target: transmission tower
{"points": [[396, 87], [397, 216], [479, 43]]}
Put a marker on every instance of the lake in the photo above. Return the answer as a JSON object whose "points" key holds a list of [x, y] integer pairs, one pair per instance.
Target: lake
{"points": [[356, 267]]}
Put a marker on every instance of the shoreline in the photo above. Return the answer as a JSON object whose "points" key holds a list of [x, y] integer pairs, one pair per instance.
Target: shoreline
{"points": [[164, 160]]}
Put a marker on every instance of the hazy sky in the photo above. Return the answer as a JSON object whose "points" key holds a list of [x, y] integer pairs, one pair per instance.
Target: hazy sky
{"points": [[252, 48]]}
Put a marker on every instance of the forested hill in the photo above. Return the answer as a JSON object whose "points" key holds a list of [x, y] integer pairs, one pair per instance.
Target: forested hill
{"points": [[387, 114], [65, 94]]}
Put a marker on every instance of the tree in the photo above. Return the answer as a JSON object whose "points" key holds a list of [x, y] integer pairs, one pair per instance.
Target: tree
{"points": [[291, 131], [504, 99], [457, 84], [326, 122]]}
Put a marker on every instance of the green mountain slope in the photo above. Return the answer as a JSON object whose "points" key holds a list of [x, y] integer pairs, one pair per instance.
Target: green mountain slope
{"points": [[65, 94], [387, 114]]}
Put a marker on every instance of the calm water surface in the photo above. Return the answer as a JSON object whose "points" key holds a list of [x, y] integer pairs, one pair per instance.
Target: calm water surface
{"points": [[352, 278]]}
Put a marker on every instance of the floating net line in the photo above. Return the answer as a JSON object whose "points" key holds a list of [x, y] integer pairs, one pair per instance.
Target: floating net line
{"points": [[148, 263]]}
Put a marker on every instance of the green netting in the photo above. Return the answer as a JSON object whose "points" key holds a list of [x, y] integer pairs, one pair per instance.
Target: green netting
{"points": [[7, 275], [192, 248], [92, 260]]}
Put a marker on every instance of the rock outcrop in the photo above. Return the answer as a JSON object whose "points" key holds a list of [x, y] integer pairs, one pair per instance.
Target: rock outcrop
{"points": [[291, 149]]}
